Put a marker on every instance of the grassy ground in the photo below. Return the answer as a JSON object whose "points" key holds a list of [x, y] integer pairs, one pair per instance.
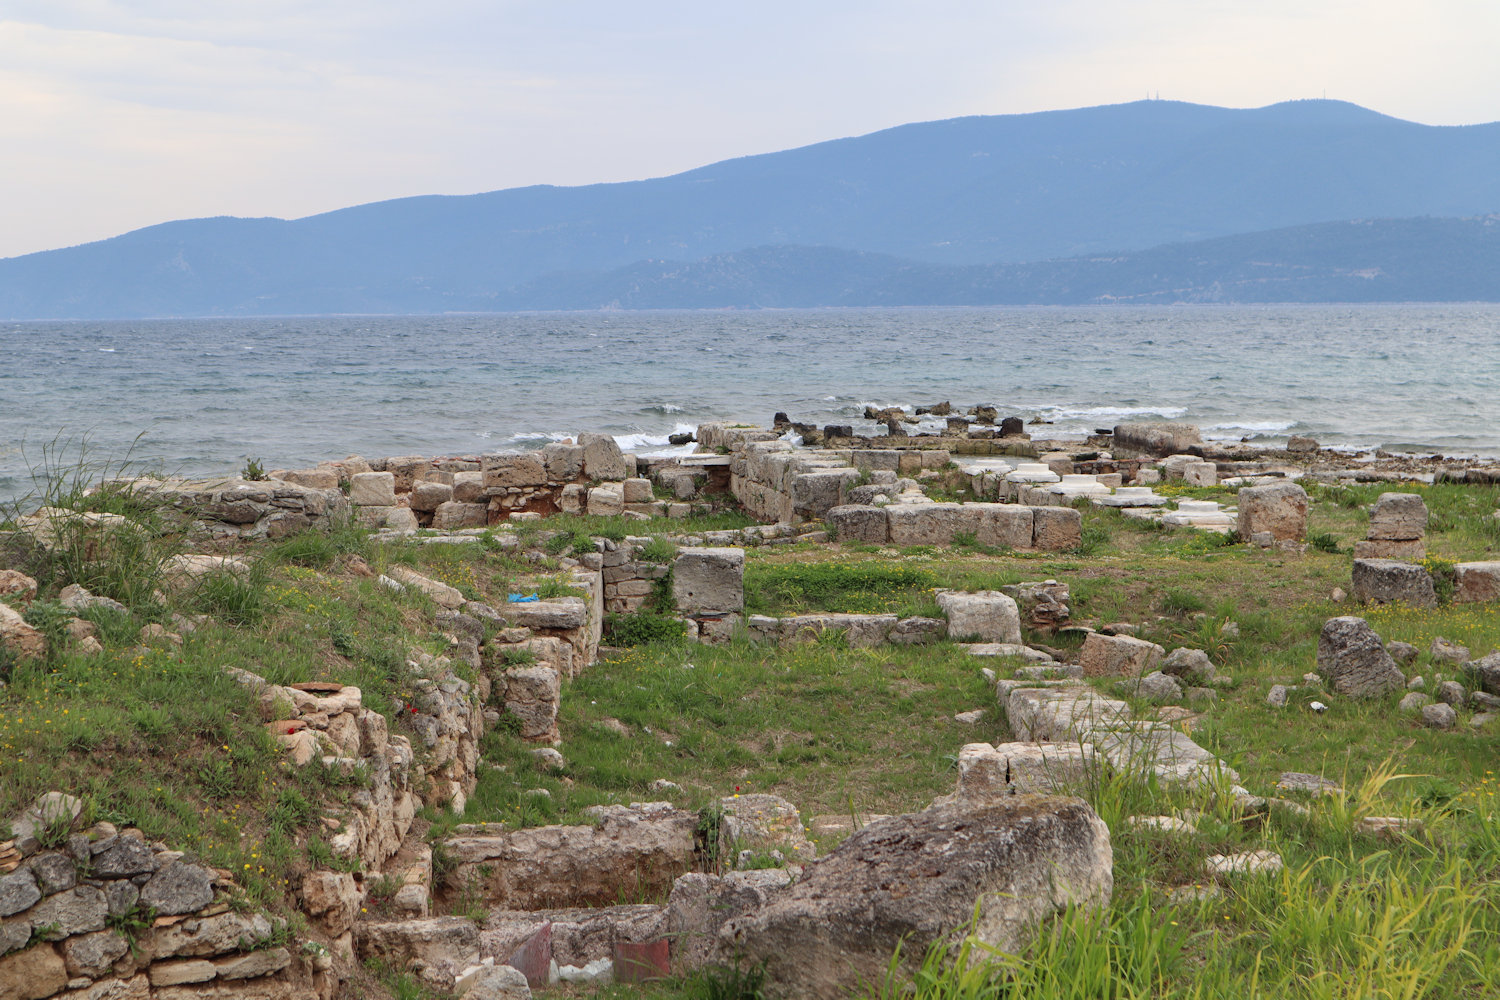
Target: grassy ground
{"points": [[157, 737]]}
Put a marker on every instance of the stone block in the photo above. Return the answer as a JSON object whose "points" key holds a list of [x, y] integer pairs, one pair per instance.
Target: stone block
{"points": [[708, 580], [507, 470], [1353, 660], [1005, 525], [927, 523], [1118, 656], [372, 489], [858, 523], [1056, 529], [638, 491], [1397, 517], [1477, 582], [814, 494], [468, 487], [987, 772], [427, 496], [32, 973], [1386, 581], [407, 469], [605, 501], [877, 460], [563, 462], [602, 458], [1410, 550], [1280, 508], [452, 515], [985, 616]]}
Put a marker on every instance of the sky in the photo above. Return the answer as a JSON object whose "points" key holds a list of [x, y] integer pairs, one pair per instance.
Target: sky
{"points": [[118, 114]]}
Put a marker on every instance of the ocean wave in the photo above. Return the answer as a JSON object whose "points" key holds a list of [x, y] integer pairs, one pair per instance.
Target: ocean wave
{"points": [[1267, 427], [665, 409], [1065, 412], [647, 439]]}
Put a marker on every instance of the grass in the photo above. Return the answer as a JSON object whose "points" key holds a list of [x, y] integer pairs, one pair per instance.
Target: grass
{"points": [[158, 737]]}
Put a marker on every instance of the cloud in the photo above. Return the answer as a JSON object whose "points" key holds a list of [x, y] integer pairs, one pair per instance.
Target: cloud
{"points": [[121, 113]]}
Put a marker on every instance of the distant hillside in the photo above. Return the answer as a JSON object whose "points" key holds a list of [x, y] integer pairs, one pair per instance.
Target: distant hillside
{"points": [[1378, 261], [968, 191]]}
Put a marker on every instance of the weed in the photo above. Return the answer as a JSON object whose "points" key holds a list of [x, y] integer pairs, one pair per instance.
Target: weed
{"points": [[643, 627], [253, 470], [1323, 541]]}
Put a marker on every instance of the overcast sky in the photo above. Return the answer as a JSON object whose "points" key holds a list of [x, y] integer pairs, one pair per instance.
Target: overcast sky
{"points": [[116, 114]]}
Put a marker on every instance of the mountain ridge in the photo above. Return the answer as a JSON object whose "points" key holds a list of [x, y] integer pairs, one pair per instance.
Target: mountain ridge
{"points": [[978, 190]]}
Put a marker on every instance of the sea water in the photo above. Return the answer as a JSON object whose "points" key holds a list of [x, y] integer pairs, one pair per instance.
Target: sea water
{"points": [[203, 396]]}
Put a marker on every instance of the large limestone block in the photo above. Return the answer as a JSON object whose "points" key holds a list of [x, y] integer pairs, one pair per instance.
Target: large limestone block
{"points": [[19, 639], [1157, 438], [928, 523], [32, 974], [1405, 550], [1398, 517], [918, 880], [426, 496], [858, 523], [877, 460], [468, 487], [1280, 508], [637, 491], [634, 851], [985, 616], [605, 501], [602, 458], [372, 489], [505, 470], [1118, 656], [443, 942], [441, 593], [708, 580], [1477, 582], [1056, 529], [563, 462], [987, 772], [452, 515], [531, 694], [1386, 581], [700, 904], [814, 494], [1005, 526], [1353, 660]]}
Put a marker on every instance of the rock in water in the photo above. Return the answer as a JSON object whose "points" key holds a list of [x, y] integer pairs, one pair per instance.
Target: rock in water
{"points": [[915, 880], [1352, 659]]}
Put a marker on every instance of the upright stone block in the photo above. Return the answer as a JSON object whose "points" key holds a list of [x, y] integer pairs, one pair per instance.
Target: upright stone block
{"points": [[1399, 517], [708, 580], [1386, 581], [372, 489], [1056, 529], [986, 616], [602, 458], [858, 523], [507, 470], [1354, 661], [1280, 508]]}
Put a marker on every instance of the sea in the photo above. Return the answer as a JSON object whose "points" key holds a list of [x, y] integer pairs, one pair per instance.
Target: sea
{"points": [[204, 396]]}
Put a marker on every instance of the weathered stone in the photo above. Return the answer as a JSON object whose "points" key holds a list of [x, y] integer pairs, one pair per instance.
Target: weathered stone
{"points": [[1413, 702], [179, 888], [1157, 438], [1353, 661], [509, 470], [18, 891], [605, 502], [79, 910], [1486, 674], [1452, 693], [986, 772], [188, 970], [1439, 716], [442, 594], [763, 822], [32, 974], [1276, 697], [14, 934], [54, 872], [372, 489], [919, 880], [1385, 581], [499, 982], [427, 496], [332, 896], [638, 849], [602, 458], [16, 587], [700, 904], [1402, 652], [1191, 665], [92, 954], [468, 487], [859, 523], [206, 936], [123, 857], [254, 964], [1157, 686], [1056, 529], [19, 639], [452, 515], [443, 943], [918, 631], [563, 462], [531, 694], [1406, 551], [1299, 445], [814, 494], [1476, 582], [1398, 517], [1118, 656], [708, 580], [1280, 508], [984, 616]]}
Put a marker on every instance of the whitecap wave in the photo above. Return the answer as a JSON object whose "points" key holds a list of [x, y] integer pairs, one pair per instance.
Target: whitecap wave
{"points": [[1065, 412]]}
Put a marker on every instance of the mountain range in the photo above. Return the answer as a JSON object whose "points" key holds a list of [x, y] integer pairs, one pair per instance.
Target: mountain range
{"points": [[1152, 201]]}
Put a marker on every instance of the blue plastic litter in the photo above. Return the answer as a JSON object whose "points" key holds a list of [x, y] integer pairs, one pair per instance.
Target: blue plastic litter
{"points": [[520, 599]]}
